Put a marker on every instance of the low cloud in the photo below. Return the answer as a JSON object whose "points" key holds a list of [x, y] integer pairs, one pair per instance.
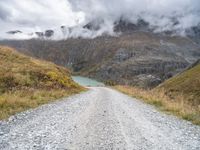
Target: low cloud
{"points": [[32, 16]]}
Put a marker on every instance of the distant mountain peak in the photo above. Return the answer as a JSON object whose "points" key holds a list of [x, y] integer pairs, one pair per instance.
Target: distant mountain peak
{"points": [[126, 26], [49, 33], [96, 28]]}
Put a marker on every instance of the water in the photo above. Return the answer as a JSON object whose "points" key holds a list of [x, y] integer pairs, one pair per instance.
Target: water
{"points": [[86, 81]]}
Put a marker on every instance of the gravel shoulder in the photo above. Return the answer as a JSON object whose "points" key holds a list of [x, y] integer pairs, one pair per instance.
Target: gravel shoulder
{"points": [[101, 118]]}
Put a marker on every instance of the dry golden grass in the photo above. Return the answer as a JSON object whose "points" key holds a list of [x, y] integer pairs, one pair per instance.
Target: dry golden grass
{"points": [[179, 95], [178, 106], [18, 101], [187, 84], [26, 82]]}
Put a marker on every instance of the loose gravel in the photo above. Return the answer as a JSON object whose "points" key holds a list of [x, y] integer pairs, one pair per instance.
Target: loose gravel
{"points": [[99, 119]]}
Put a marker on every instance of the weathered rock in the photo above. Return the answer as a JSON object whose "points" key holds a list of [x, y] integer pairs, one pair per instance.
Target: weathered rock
{"points": [[128, 27], [93, 25], [49, 33], [14, 32], [40, 34]]}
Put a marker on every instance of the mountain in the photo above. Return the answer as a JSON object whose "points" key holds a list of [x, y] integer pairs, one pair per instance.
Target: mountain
{"points": [[26, 82], [138, 58], [135, 55]]}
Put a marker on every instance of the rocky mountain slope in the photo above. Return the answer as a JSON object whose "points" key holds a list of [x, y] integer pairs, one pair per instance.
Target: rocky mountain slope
{"points": [[138, 58], [26, 82]]}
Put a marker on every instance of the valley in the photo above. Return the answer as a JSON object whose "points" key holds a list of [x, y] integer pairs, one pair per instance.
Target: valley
{"points": [[139, 58], [100, 75]]}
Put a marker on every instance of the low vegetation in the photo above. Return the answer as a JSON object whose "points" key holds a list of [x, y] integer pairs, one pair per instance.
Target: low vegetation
{"points": [[110, 83], [179, 95], [26, 82]]}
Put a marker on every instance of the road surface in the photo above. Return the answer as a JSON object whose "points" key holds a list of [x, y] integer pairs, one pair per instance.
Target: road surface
{"points": [[99, 119]]}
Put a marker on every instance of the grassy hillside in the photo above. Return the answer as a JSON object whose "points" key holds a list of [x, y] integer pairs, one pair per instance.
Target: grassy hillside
{"points": [[186, 84], [179, 95], [27, 83]]}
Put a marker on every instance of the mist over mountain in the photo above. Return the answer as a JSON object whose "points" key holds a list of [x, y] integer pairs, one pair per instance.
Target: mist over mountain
{"points": [[92, 18], [134, 42]]}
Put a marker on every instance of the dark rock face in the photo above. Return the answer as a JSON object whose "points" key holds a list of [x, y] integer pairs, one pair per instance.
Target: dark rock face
{"points": [[194, 33], [142, 24], [124, 26], [141, 58], [62, 27], [94, 25], [91, 26], [40, 34], [49, 33], [14, 32]]}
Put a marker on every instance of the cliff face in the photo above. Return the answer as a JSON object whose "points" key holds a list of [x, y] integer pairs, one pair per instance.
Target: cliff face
{"points": [[139, 58]]}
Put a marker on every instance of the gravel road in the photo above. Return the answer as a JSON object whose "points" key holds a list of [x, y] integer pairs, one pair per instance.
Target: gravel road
{"points": [[101, 118]]}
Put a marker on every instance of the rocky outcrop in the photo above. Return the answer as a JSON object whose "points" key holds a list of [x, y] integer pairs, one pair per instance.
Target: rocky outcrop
{"points": [[40, 34], [94, 25], [46, 34], [49, 33], [194, 33], [128, 27], [14, 32]]}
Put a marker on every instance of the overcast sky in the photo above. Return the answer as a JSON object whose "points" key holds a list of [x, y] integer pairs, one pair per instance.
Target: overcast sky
{"points": [[39, 15]]}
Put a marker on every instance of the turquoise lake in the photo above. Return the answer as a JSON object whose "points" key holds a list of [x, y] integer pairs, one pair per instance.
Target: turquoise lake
{"points": [[86, 81]]}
